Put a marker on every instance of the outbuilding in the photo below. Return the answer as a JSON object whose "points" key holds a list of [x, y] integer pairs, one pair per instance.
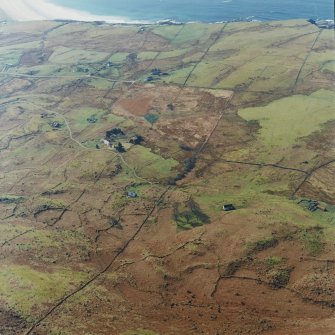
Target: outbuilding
{"points": [[56, 125], [229, 207], [132, 195]]}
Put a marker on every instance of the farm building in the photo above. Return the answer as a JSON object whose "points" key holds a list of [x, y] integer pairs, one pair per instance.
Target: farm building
{"points": [[132, 195], [105, 142], [229, 207]]}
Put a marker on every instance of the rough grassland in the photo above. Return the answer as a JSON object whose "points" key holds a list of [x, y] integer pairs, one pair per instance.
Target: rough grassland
{"points": [[24, 288]]}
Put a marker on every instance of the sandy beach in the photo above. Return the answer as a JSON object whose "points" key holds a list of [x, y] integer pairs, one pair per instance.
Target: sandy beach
{"points": [[37, 10]]}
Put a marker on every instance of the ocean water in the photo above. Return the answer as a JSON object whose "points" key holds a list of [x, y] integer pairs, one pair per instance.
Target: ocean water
{"points": [[205, 10]]}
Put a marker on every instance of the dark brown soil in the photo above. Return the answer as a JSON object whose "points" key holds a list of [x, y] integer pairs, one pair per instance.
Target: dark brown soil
{"points": [[11, 323]]}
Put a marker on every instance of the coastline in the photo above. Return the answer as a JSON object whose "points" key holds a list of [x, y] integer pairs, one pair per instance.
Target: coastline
{"points": [[43, 10], [40, 10]]}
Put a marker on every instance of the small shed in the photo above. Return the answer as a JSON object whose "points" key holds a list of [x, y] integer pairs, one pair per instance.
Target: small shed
{"points": [[132, 195], [137, 139], [170, 107], [313, 205], [56, 125], [229, 207], [119, 148], [92, 119], [156, 72]]}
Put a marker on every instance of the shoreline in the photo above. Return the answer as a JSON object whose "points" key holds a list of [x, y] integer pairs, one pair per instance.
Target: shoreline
{"points": [[42, 10]]}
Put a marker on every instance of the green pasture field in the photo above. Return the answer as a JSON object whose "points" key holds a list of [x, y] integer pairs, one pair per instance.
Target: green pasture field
{"points": [[283, 122], [150, 165], [63, 55]]}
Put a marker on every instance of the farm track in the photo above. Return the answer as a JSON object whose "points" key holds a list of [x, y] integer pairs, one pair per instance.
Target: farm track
{"points": [[66, 124], [133, 171]]}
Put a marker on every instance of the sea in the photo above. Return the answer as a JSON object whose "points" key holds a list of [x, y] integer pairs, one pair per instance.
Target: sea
{"points": [[205, 10]]}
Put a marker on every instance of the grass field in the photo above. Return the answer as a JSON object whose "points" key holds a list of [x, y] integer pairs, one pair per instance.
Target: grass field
{"points": [[281, 120]]}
